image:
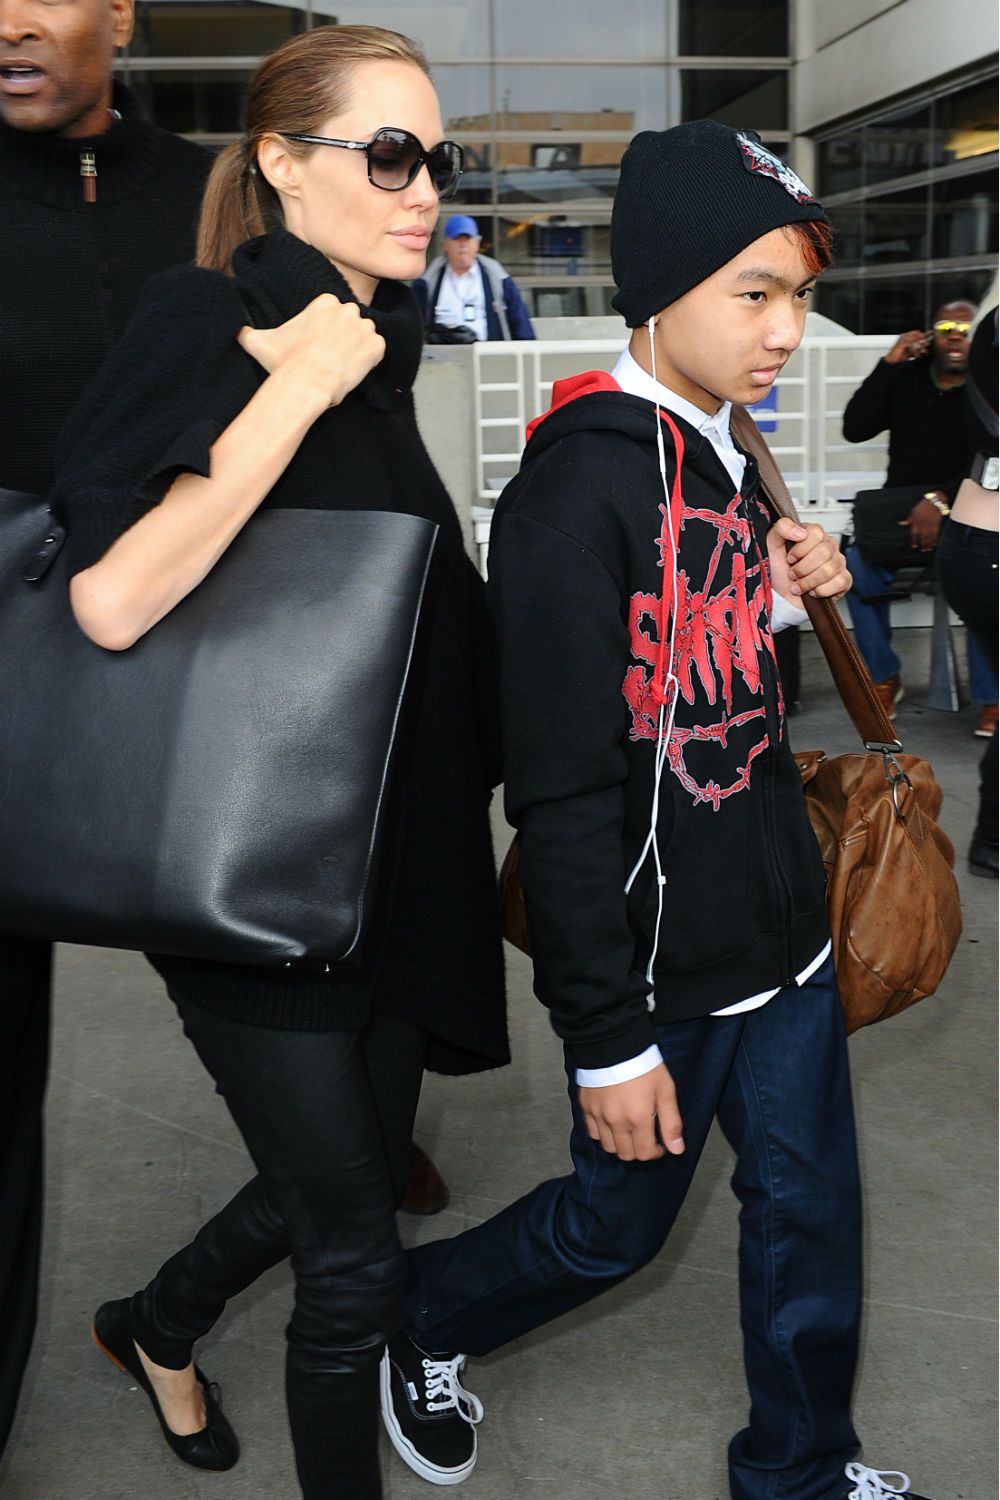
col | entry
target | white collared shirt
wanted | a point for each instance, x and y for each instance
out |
(715, 427)
(461, 300)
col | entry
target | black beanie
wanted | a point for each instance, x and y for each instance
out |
(690, 199)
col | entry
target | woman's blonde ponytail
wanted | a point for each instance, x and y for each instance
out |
(230, 213)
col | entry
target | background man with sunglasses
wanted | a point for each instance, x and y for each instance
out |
(463, 289)
(916, 393)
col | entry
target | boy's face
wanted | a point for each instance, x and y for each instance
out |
(727, 338)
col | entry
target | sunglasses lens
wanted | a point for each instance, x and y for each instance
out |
(395, 157)
(445, 166)
(392, 158)
(946, 326)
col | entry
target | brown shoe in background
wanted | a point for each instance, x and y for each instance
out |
(889, 693)
(987, 725)
(426, 1190)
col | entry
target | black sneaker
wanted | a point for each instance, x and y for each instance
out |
(879, 1484)
(430, 1419)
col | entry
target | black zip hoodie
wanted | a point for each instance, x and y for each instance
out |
(582, 586)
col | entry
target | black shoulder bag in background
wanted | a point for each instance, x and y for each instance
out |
(880, 538)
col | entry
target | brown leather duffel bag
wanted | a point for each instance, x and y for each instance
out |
(891, 893)
(892, 896)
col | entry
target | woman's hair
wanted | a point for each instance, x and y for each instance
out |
(815, 239)
(296, 89)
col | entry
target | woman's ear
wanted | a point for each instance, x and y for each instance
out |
(279, 167)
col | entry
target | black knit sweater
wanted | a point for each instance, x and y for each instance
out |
(928, 443)
(73, 270)
(176, 380)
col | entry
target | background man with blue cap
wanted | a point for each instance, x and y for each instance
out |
(463, 289)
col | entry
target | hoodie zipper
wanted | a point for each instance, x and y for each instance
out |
(88, 176)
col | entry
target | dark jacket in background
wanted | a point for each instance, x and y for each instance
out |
(173, 384)
(70, 274)
(928, 444)
(73, 270)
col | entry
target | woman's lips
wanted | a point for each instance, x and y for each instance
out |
(413, 238)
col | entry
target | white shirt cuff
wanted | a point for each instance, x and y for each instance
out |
(784, 613)
(623, 1072)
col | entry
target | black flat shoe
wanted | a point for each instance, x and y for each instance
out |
(216, 1446)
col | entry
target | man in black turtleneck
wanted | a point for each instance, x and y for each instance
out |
(93, 201)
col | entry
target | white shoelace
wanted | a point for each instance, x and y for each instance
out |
(441, 1379)
(873, 1484)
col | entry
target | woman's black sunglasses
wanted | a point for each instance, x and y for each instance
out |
(395, 157)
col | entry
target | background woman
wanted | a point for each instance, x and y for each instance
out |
(967, 558)
(196, 422)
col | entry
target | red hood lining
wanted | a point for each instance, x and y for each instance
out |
(563, 391)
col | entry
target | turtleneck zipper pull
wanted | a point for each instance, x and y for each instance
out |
(88, 171)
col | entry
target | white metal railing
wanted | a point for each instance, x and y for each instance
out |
(513, 383)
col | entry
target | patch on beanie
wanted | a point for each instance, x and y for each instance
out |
(757, 158)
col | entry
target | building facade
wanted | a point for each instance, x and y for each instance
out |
(545, 97)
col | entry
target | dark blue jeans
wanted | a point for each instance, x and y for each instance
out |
(777, 1079)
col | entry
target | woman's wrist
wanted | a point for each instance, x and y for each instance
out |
(299, 392)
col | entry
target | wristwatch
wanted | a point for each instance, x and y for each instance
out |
(937, 502)
(986, 471)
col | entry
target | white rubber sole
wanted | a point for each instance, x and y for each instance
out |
(413, 1460)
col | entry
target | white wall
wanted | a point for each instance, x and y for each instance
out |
(853, 54)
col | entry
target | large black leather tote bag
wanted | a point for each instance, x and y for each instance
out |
(216, 790)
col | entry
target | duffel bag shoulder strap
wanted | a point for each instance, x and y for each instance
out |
(849, 671)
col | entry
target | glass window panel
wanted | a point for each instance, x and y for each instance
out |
(954, 286)
(553, 245)
(843, 301)
(895, 304)
(553, 173)
(743, 98)
(212, 28)
(733, 28)
(966, 121)
(593, 28)
(199, 102)
(965, 215)
(464, 93)
(848, 229)
(444, 28)
(593, 99)
(899, 144)
(569, 301)
(897, 226)
(841, 163)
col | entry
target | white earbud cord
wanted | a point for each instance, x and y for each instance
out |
(665, 720)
